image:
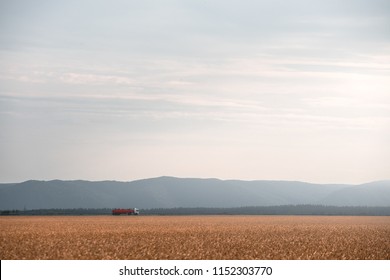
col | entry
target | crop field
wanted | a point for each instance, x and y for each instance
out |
(194, 237)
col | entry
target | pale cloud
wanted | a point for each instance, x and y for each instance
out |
(93, 80)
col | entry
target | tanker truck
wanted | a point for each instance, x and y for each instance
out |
(129, 211)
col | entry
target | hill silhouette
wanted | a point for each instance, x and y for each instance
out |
(171, 192)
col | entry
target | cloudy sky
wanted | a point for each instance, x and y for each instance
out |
(123, 90)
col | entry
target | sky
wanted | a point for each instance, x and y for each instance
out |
(251, 90)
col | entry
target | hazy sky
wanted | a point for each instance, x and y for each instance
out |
(122, 90)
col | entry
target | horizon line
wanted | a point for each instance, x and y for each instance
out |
(194, 178)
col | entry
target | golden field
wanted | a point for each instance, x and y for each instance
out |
(194, 237)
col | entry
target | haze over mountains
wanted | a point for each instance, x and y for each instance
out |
(169, 192)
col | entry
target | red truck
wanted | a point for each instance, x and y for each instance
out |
(121, 211)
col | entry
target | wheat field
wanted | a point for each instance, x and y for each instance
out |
(194, 237)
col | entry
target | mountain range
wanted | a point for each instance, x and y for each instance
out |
(170, 192)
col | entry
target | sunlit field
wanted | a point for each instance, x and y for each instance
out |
(194, 237)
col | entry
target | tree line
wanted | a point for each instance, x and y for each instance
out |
(248, 210)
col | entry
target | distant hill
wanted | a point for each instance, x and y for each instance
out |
(170, 192)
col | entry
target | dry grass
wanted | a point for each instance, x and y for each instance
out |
(195, 237)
